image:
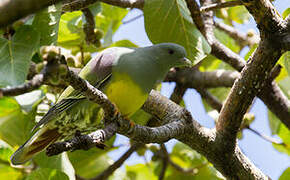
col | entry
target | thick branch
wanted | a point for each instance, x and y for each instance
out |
(265, 15)
(31, 85)
(197, 79)
(243, 92)
(126, 3)
(225, 54)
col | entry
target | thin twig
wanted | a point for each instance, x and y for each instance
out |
(220, 5)
(133, 19)
(265, 137)
(165, 159)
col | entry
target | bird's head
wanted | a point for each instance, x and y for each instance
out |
(170, 54)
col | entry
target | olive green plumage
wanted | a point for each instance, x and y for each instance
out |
(125, 75)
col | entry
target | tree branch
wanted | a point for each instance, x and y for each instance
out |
(84, 142)
(89, 26)
(193, 78)
(266, 138)
(265, 15)
(220, 5)
(244, 90)
(228, 56)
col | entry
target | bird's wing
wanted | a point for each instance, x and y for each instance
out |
(74, 96)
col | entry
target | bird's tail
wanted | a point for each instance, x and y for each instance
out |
(40, 140)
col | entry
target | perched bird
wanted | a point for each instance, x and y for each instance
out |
(125, 75)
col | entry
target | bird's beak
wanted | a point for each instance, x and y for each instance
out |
(186, 62)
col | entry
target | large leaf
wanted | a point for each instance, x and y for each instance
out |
(15, 126)
(285, 175)
(47, 174)
(238, 14)
(185, 157)
(170, 21)
(90, 163)
(70, 29)
(5, 152)
(109, 21)
(60, 162)
(141, 172)
(274, 122)
(284, 134)
(46, 23)
(15, 55)
(227, 40)
(7, 172)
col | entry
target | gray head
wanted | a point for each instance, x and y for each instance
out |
(170, 54)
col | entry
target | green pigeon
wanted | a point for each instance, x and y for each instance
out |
(125, 75)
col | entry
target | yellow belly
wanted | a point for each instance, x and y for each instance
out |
(128, 96)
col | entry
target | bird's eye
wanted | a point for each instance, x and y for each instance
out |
(170, 51)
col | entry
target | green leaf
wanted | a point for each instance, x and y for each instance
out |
(70, 31)
(226, 40)
(274, 122)
(140, 117)
(5, 151)
(90, 163)
(15, 126)
(90, 167)
(60, 162)
(286, 173)
(250, 52)
(141, 172)
(46, 23)
(186, 157)
(170, 21)
(286, 13)
(110, 17)
(124, 43)
(238, 14)
(286, 61)
(47, 174)
(15, 55)
(7, 172)
(210, 63)
(285, 86)
(284, 134)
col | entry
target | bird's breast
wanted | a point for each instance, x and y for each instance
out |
(125, 93)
